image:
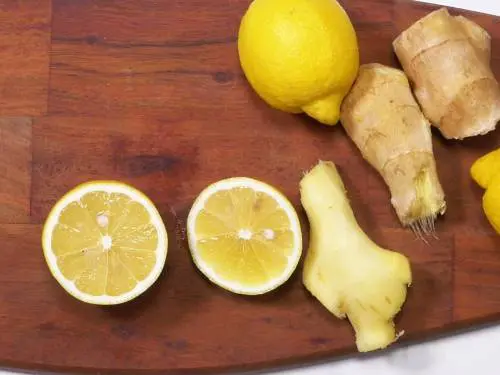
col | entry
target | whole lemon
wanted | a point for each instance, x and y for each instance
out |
(486, 168)
(491, 203)
(486, 172)
(299, 55)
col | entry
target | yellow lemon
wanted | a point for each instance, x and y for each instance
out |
(491, 203)
(105, 242)
(299, 55)
(244, 235)
(486, 168)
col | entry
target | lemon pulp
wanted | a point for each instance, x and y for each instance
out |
(105, 246)
(245, 239)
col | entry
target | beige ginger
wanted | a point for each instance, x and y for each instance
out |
(347, 272)
(383, 119)
(447, 59)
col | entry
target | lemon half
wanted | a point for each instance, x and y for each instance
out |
(105, 242)
(244, 235)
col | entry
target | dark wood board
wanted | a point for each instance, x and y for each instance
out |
(151, 93)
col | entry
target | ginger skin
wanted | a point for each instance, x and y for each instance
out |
(382, 118)
(447, 59)
(344, 269)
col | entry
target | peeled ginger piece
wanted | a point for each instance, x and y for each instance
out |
(447, 59)
(344, 269)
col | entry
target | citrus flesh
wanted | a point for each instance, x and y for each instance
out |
(105, 242)
(244, 235)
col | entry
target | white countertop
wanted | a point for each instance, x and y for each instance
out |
(472, 353)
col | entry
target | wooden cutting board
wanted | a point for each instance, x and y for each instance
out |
(151, 93)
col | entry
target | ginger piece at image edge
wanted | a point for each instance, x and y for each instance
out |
(382, 118)
(447, 59)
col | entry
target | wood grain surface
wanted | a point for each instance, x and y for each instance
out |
(24, 66)
(15, 169)
(151, 93)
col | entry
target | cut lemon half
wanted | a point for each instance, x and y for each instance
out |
(105, 242)
(244, 235)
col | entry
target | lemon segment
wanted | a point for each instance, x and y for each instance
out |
(244, 235)
(105, 242)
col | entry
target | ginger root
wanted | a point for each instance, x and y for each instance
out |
(447, 59)
(344, 269)
(383, 119)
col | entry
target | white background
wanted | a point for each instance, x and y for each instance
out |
(472, 353)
